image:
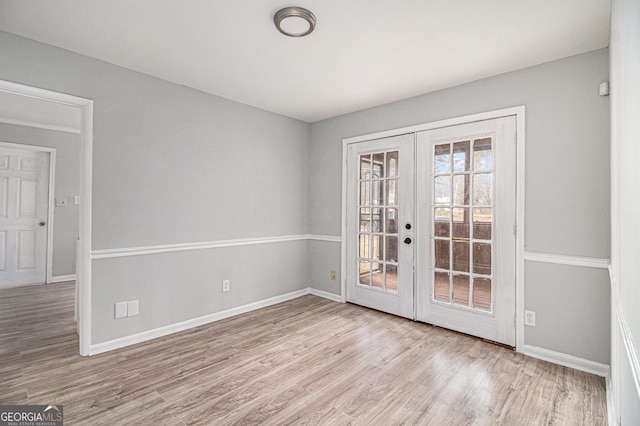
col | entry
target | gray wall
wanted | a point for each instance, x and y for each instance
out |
(65, 221)
(175, 165)
(625, 156)
(567, 183)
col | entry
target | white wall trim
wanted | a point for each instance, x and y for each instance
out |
(567, 360)
(519, 113)
(520, 222)
(325, 294)
(84, 254)
(62, 278)
(611, 406)
(506, 112)
(631, 348)
(169, 248)
(191, 323)
(560, 259)
(330, 238)
(39, 125)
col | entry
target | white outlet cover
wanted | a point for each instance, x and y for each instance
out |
(133, 308)
(530, 318)
(121, 309)
(226, 285)
(76, 199)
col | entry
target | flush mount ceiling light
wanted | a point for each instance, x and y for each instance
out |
(294, 21)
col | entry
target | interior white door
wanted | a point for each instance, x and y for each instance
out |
(380, 178)
(466, 217)
(24, 205)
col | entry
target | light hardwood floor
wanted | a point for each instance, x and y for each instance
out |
(306, 361)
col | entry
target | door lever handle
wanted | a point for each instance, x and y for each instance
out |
(407, 240)
(42, 224)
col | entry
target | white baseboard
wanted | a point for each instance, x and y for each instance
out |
(62, 278)
(194, 322)
(567, 360)
(325, 294)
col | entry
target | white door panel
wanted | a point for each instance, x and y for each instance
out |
(466, 219)
(24, 204)
(379, 247)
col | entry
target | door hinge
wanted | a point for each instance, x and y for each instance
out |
(515, 229)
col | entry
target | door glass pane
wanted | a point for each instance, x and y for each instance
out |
(442, 190)
(365, 272)
(442, 217)
(392, 164)
(461, 156)
(365, 166)
(482, 224)
(442, 158)
(363, 250)
(377, 275)
(461, 190)
(461, 223)
(461, 290)
(377, 192)
(365, 219)
(376, 220)
(391, 249)
(391, 221)
(391, 277)
(482, 155)
(482, 294)
(460, 256)
(441, 287)
(392, 192)
(482, 258)
(378, 165)
(482, 190)
(376, 247)
(442, 254)
(365, 193)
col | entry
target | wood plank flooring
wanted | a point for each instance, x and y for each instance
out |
(307, 361)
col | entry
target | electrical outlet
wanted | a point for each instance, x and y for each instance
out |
(121, 309)
(333, 275)
(76, 199)
(226, 285)
(530, 318)
(133, 308)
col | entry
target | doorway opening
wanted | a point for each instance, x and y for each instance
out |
(83, 250)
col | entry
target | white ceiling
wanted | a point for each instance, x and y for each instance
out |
(363, 52)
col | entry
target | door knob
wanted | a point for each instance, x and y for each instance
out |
(408, 226)
(42, 224)
(407, 240)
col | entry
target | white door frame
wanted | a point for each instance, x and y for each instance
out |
(84, 253)
(50, 203)
(519, 113)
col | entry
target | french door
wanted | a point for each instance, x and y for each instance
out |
(432, 237)
(379, 222)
